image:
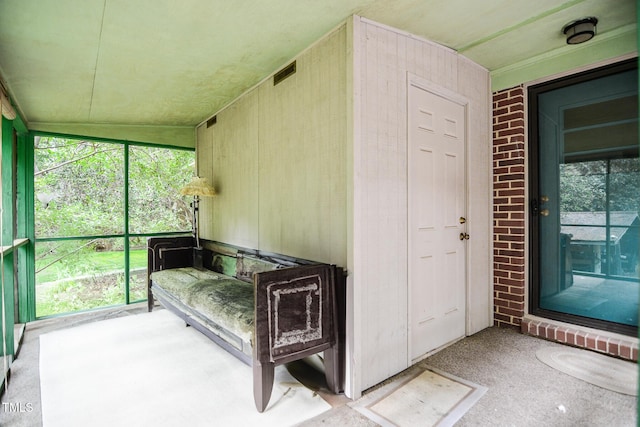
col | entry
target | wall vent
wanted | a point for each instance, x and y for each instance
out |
(287, 71)
(212, 121)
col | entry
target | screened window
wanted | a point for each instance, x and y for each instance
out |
(95, 205)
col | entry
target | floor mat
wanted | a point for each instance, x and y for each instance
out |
(151, 370)
(597, 369)
(427, 398)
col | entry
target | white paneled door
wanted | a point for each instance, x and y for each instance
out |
(437, 218)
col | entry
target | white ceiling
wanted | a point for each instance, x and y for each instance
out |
(168, 63)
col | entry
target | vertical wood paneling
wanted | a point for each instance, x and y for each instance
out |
(277, 159)
(302, 156)
(474, 83)
(235, 171)
(380, 184)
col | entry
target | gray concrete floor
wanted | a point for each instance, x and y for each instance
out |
(522, 391)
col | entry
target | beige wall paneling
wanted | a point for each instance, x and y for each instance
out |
(475, 84)
(380, 280)
(380, 239)
(354, 209)
(302, 174)
(235, 162)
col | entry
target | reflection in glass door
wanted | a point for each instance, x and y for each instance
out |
(585, 202)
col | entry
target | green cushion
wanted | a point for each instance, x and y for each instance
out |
(224, 300)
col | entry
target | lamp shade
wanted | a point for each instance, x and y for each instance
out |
(581, 30)
(198, 187)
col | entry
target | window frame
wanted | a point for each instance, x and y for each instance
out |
(534, 191)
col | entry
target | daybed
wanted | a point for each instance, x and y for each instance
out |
(265, 309)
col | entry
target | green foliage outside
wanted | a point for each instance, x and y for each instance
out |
(583, 186)
(79, 191)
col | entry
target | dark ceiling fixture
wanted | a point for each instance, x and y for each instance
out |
(581, 30)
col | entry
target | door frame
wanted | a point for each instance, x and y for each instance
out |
(421, 83)
(533, 258)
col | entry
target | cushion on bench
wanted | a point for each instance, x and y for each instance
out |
(224, 300)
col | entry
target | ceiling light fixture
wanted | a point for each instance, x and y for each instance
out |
(581, 30)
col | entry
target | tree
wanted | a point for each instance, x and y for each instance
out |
(80, 188)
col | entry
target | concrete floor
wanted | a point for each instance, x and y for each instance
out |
(522, 391)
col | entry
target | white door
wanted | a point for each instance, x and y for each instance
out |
(436, 223)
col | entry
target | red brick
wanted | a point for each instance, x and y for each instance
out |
(515, 92)
(510, 297)
(512, 131)
(570, 337)
(500, 95)
(516, 305)
(509, 282)
(580, 339)
(601, 344)
(500, 303)
(510, 146)
(501, 318)
(614, 347)
(510, 223)
(500, 111)
(561, 335)
(517, 116)
(511, 162)
(511, 312)
(625, 350)
(518, 122)
(591, 342)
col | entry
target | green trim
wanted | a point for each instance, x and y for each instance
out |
(9, 304)
(25, 229)
(6, 235)
(604, 47)
(111, 140)
(111, 236)
(126, 235)
(126, 225)
(519, 24)
(68, 135)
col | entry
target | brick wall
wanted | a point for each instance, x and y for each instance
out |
(509, 238)
(508, 206)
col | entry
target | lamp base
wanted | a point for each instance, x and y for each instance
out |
(197, 258)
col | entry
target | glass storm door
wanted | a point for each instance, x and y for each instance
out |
(585, 202)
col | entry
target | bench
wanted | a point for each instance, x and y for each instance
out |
(265, 309)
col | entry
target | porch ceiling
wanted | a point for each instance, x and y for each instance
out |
(167, 63)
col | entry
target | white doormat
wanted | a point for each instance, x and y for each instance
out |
(151, 370)
(597, 369)
(429, 397)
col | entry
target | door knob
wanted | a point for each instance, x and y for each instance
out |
(544, 199)
(544, 212)
(464, 236)
(462, 220)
